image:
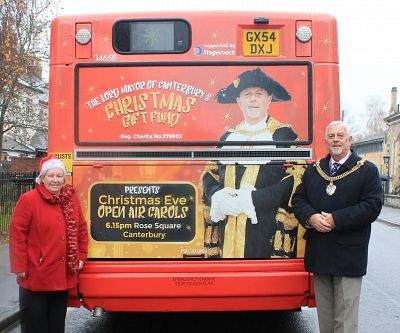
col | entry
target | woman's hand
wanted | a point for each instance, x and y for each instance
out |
(81, 264)
(21, 275)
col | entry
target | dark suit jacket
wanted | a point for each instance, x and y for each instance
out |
(355, 204)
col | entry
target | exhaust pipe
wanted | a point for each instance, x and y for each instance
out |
(97, 311)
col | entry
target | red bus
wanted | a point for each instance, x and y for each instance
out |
(185, 136)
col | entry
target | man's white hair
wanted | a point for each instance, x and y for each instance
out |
(337, 123)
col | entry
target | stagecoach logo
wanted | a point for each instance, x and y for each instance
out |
(198, 50)
(213, 50)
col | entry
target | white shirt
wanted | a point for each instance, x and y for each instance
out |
(260, 126)
(264, 135)
(341, 162)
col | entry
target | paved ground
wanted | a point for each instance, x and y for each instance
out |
(390, 215)
(9, 288)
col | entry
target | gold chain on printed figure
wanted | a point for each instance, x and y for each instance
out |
(330, 188)
(271, 126)
(251, 133)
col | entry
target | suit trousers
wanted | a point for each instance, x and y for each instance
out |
(42, 311)
(338, 299)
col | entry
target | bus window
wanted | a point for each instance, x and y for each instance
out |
(160, 36)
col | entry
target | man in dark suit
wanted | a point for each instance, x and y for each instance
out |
(242, 200)
(338, 199)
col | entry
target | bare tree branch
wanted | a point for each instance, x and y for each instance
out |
(24, 41)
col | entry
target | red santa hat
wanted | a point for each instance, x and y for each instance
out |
(47, 163)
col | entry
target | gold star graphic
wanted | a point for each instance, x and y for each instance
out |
(325, 108)
(62, 104)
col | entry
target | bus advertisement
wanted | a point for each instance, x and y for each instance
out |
(185, 142)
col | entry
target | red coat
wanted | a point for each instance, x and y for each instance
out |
(38, 241)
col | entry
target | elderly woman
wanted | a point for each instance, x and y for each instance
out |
(48, 246)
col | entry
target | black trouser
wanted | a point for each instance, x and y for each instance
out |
(42, 311)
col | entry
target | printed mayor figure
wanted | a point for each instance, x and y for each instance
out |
(246, 205)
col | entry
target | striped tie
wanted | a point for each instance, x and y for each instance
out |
(334, 168)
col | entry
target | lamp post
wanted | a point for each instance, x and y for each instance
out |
(386, 161)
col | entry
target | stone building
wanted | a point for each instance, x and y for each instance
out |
(392, 145)
(372, 148)
(383, 149)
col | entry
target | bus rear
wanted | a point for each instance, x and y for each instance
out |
(185, 136)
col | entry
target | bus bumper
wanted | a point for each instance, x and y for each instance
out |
(144, 286)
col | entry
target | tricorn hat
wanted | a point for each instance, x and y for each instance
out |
(253, 78)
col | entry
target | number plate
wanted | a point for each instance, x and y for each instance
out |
(261, 43)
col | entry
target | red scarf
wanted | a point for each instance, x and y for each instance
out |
(64, 200)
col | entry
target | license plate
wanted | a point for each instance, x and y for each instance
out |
(261, 43)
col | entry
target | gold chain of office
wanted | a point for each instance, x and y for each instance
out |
(252, 133)
(330, 188)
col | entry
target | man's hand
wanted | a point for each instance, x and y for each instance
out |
(329, 219)
(229, 202)
(319, 223)
(223, 203)
(246, 202)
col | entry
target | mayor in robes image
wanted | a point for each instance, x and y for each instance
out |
(246, 204)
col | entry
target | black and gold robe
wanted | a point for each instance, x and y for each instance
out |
(275, 234)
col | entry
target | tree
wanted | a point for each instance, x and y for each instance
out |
(24, 42)
(353, 121)
(368, 122)
(376, 111)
